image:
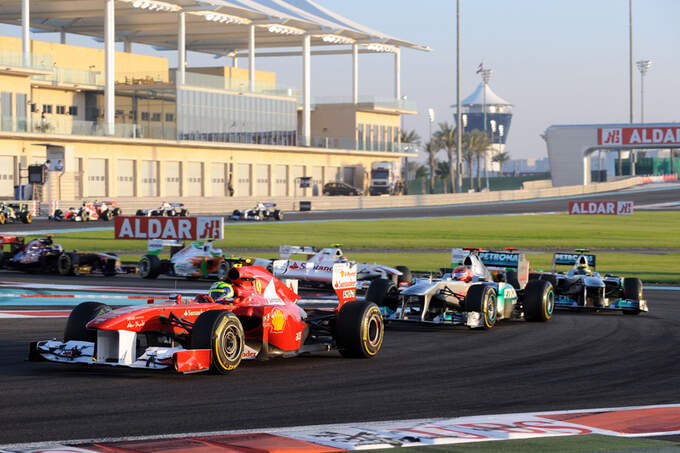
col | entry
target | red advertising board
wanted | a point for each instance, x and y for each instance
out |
(169, 228)
(607, 207)
(626, 136)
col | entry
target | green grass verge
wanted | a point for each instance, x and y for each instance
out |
(655, 234)
(568, 444)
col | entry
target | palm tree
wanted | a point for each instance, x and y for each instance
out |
(447, 136)
(501, 158)
(476, 144)
(431, 147)
(411, 137)
(442, 169)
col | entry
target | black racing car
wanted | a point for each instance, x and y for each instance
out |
(166, 209)
(262, 211)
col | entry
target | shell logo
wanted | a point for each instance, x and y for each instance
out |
(258, 286)
(278, 320)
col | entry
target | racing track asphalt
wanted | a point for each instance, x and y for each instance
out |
(575, 361)
(640, 195)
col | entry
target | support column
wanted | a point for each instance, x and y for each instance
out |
(62, 37)
(127, 46)
(397, 74)
(306, 92)
(26, 31)
(181, 48)
(110, 82)
(355, 73)
(251, 56)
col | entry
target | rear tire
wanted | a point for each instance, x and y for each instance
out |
(539, 300)
(359, 330)
(278, 215)
(482, 299)
(27, 217)
(3, 218)
(383, 293)
(223, 270)
(65, 264)
(405, 276)
(222, 333)
(78, 319)
(149, 266)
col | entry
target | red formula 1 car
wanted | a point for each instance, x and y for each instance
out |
(260, 319)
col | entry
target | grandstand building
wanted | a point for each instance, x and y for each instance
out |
(118, 124)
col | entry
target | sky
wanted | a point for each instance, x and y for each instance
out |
(556, 61)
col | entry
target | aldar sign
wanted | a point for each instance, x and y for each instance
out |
(628, 136)
(169, 228)
(601, 207)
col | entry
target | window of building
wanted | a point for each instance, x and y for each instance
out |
(145, 116)
(156, 117)
(169, 117)
(73, 110)
(47, 108)
(61, 110)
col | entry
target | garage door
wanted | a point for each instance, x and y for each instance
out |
(280, 183)
(261, 180)
(7, 176)
(194, 179)
(173, 179)
(218, 180)
(126, 178)
(317, 180)
(296, 172)
(149, 178)
(243, 180)
(96, 177)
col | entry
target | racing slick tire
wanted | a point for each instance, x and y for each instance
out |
(632, 290)
(139, 212)
(3, 218)
(384, 293)
(109, 267)
(482, 299)
(184, 212)
(223, 270)
(85, 216)
(27, 217)
(539, 300)
(106, 216)
(260, 215)
(66, 264)
(116, 212)
(359, 330)
(78, 319)
(236, 213)
(405, 276)
(278, 215)
(222, 333)
(149, 266)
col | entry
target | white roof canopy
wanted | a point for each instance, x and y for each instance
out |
(218, 27)
(477, 97)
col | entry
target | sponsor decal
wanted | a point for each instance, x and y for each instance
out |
(344, 276)
(499, 259)
(169, 228)
(192, 312)
(604, 207)
(570, 258)
(349, 294)
(638, 136)
(278, 320)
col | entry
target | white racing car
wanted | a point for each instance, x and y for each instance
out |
(317, 267)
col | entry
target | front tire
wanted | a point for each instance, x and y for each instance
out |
(222, 333)
(149, 266)
(278, 215)
(482, 299)
(27, 217)
(539, 300)
(77, 321)
(383, 293)
(632, 290)
(359, 330)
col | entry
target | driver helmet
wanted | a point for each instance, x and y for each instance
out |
(462, 273)
(222, 292)
(582, 269)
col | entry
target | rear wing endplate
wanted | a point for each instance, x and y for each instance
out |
(569, 259)
(344, 282)
(285, 251)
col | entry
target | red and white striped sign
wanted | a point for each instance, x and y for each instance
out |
(169, 228)
(601, 207)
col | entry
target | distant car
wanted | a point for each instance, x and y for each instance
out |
(14, 213)
(107, 210)
(262, 211)
(340, 188)
(166, 209)
(86, 212)
(581, 288)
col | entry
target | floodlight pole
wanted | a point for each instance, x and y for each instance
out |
(459, 121)
(486, 76)
(630, 72)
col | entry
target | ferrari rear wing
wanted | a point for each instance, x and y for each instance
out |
(345, 282)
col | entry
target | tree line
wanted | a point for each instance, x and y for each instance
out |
(475, 147)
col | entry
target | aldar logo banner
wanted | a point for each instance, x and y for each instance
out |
(169, 228)
(638, 136)
(601, 207)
